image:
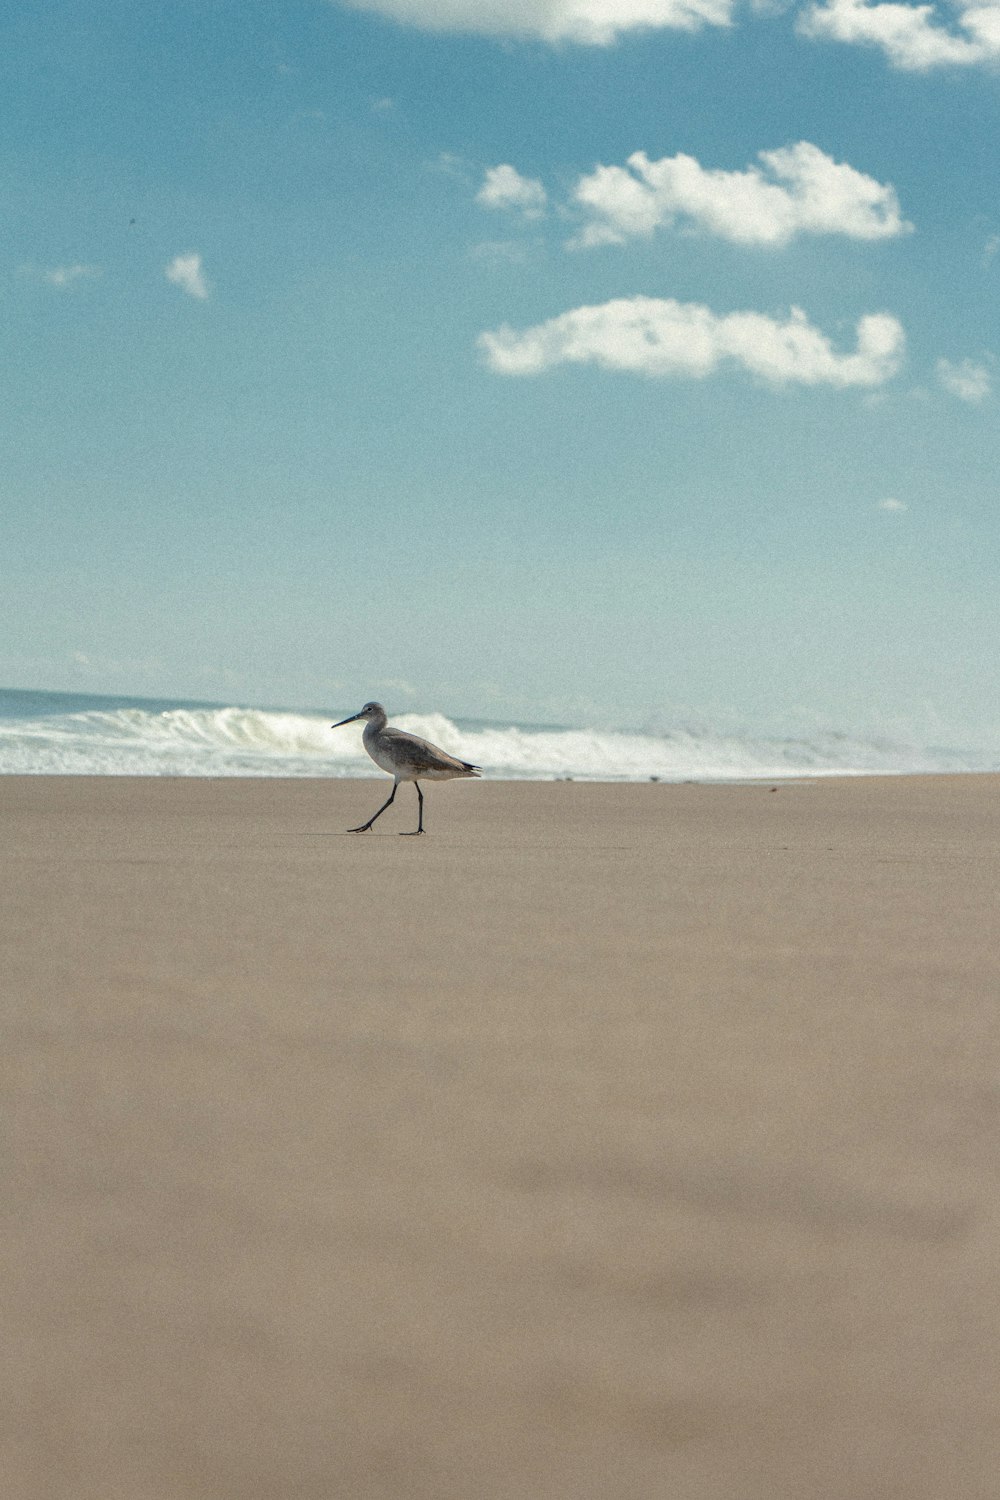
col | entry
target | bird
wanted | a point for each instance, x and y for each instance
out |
(406, 757)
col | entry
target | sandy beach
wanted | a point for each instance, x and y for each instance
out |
(610, 1142)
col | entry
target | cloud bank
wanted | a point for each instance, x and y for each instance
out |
(597, 23)
(660, 337)
(913, 37)
(185, 271)
(797, 190)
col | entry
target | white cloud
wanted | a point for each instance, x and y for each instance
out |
(592, 22)
(913, 37)
(966, 379)
(658, 337)
(504, 188)
(185, 271)
(798, 190)
(896, 506)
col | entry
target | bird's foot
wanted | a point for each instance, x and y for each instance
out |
(410, 833)
(363, 829)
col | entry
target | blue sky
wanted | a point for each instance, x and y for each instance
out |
(567, 360)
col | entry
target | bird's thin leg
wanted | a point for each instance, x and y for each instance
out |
(420, 821)
(364, 827)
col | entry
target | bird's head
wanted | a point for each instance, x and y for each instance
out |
(370, 711)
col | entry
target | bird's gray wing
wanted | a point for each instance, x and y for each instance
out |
(418, 753)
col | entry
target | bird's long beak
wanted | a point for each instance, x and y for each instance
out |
(346, 721)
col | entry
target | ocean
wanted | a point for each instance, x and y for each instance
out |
(83, 735)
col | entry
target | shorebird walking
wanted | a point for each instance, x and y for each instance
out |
(405, 757)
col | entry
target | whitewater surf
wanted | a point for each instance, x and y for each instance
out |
(76, 734)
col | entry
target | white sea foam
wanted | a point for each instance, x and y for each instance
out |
(179, 742)
(130, 739)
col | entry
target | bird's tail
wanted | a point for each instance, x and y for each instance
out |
(471, 770)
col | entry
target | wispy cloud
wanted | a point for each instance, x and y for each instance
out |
(504, 188)
(965, 379)
(797, 190)
(449, 164)
(591, 22)
(500, 252)
(661, 337)
(892, 505)
(913, 37)
(96, 669)
(186, 272)
(66, 275)
(63, 276)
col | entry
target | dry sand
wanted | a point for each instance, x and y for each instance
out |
(607, 1143)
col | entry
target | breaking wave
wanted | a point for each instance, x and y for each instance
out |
(116, 739)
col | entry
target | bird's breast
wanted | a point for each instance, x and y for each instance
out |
(382, 755)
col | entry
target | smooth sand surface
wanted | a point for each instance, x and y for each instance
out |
(607, 1143)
